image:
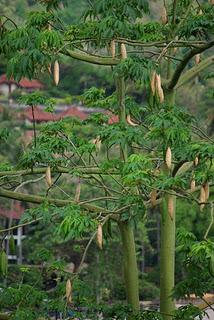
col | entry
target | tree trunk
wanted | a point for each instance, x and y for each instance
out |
(128, 243)
(167, 261)
(167, 250)
(130, 265)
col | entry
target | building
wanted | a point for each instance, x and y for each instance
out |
(40, 116)
(7, 86)
(8, 215)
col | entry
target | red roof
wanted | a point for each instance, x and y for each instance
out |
(15, 213)
(24, 82)
(39, 115)
(113, 119)
(3, 79)
(30, 84)
(73, 112)
(42, 116)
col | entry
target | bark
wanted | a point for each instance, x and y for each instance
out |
(39, 199)
(167, 262)
(187, 57)
(194, 71)
(130, 265)
(126, 231)
(107, 61)
(42, 170)
(167, 250)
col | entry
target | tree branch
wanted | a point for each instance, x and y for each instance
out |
(189, 74)
(82, 170)
(91, 58)
(39, 199)
(181, 66)
(80, 267)
(108, 61)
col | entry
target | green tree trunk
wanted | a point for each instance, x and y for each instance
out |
(167, 261)
(128, 242)
(130, 265)
(167, 250)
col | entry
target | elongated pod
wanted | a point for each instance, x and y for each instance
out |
(56, 72)
(123, 51)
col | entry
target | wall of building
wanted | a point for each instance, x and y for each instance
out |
(4, 88)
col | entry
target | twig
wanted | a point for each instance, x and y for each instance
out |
(98, 199)
(211, 221)
(101, 187)
(8, 19)
(165, 50)
(211, 307)
(20, 225)
(79, 269)
(27, 182)
(203, 133)
(55, 185)
(63, 191)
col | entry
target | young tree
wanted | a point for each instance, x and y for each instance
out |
(156, 156)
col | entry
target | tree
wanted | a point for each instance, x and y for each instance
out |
(154, 162)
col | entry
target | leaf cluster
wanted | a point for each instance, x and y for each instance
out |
(198, 256)
(135, 68)
(199, 25)
(75, 223)
(170, 126)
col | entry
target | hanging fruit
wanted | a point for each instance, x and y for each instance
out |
(123, 51)
(113, 48)
(196, 161)
(168, 159)
(192, 185)
(158, 88)
(197, 58)
(100, 236)
(3, 262)
(164, 18)
(68, 291)
(129, 121)
(56, 72)
(48, 176)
